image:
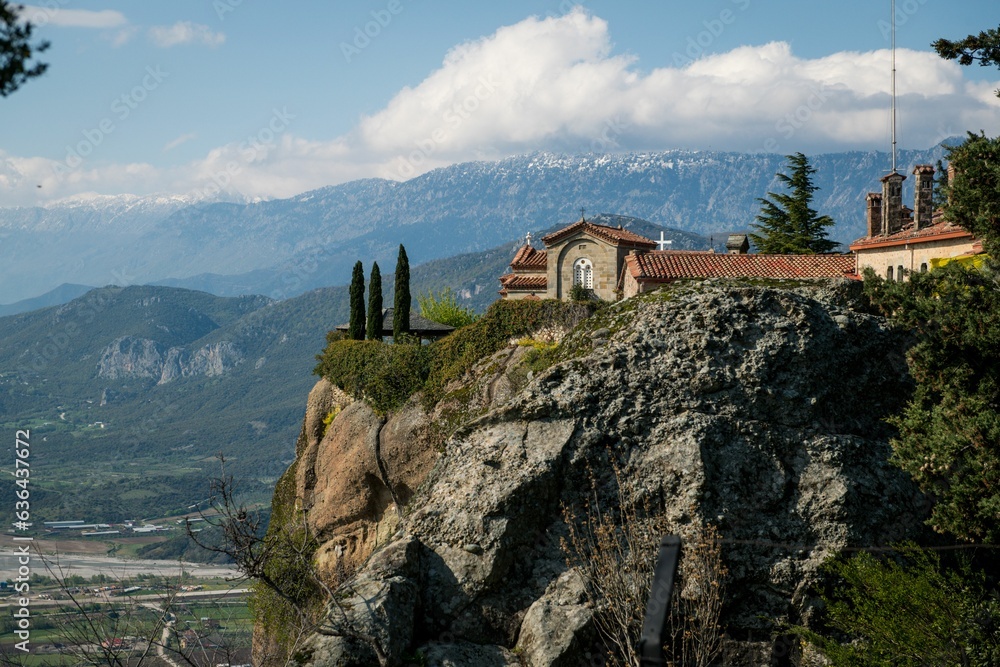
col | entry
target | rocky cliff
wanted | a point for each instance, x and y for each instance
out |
(131, 357)
(754, 408)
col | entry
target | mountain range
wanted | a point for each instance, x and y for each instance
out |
(285, 247)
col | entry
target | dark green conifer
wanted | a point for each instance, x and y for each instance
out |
(375, 304)
(788, 225)
(401, 298)
(356, 328)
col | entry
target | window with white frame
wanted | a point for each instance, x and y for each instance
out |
(583, 273)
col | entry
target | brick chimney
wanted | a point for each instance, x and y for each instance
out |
(892, 202)
(874, 217)
(923, 197)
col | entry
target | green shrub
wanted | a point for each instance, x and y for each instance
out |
(905, 610)
(445, 309)
(579, 293)
(384, 375)
(454, 355)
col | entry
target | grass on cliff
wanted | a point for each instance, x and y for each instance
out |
(386, 375)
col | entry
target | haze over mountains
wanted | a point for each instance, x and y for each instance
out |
(282, 248)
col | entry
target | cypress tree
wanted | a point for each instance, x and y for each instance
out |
(375, 304)
(356, 328)
(401, 297)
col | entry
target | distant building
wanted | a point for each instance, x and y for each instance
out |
(900, 240)
(615, 263)
(148, 529)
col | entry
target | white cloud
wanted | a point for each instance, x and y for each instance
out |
(555, 84)
(185, 32)
(73, 18)
(174, 143)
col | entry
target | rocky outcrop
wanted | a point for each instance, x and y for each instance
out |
(756, 409)
(211, 360)
(130, 357)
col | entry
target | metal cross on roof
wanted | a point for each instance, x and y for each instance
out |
(662, 243)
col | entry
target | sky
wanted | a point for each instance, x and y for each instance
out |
(262, 99)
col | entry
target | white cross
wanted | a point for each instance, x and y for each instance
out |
(662, 243)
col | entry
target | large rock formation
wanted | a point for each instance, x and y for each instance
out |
(756, 409)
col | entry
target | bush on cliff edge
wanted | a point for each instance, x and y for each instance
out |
(386, 375)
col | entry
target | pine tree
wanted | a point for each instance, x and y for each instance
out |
(788, 224)
(356, 328)
(16, 49)
(983, 48)
(401, 298)
(375, 304)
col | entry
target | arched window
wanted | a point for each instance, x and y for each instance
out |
(583, 273)
(899, 273)
(888, 274)
(923, 267)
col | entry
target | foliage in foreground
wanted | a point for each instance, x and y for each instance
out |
(949, 433)
(906, 610)
(16, 49)
(983, 48)
(974, 193)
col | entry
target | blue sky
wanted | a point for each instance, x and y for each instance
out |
(268, 99)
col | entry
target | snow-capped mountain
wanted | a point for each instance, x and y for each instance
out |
(284, 247)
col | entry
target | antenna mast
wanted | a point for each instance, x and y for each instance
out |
(893, 58)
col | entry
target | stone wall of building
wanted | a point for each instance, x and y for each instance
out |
(603, 256)
(631, 286)
(910, 256)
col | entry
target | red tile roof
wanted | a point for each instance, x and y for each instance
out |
(660, 266)
(516, 281)
(528, 259)
(939, 231)
(612, 235)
